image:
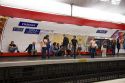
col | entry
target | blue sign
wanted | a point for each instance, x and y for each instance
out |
(32, 31)
(102, 31)
(18, 29)
(28, 24)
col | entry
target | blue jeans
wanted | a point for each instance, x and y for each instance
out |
(12, 49)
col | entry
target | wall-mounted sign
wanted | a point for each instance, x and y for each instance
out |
(18, 29)
(32, 31)
(102, 31)
(28, 24)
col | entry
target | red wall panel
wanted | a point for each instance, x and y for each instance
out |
(13, 12)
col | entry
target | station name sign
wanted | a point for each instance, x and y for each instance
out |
(18, 29)
(32, 31)
(102, 31)
(28, 24)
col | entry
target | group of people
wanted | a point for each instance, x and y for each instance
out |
(58, 50)
(113, 45)
(105, 45)
(67, 47)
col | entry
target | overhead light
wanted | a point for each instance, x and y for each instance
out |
(48, 6)
(95, 14)
(105, 0)
(115, 2)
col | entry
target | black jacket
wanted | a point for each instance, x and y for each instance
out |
(29, 48)
(65, 41)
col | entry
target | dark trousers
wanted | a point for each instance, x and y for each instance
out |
(44, 52)
(92, 52)
(74, 51)
(118, 51)
(113, 51)
(48, 52)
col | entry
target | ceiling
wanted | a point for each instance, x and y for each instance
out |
(99, 4)
(99, 10)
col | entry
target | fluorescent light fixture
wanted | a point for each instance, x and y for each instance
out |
(49, 6)
(115, 2)
(105, 0)
(95, 14)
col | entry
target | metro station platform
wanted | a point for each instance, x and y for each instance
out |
(26, 61)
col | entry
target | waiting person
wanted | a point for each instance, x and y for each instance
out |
(93, 47)
(104, 48)
(74, 45)
(54, 48)
(31, 49)
(69, 49)
(118, 46)
(113, 46)
(65, 44)
(48, 46)
(61, 51)
(12, 47)
(44, 43)
(58, 46)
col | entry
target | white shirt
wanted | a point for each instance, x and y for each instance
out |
(93, 43)
(44, 43)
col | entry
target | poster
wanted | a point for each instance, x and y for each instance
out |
(2, 24)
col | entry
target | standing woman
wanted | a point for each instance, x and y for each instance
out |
(44, 47)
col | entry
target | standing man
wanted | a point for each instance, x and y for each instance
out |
(113, 47)
(74, 45)
(65, 44)
(118, 46)
(48, 46)
(93, 47)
